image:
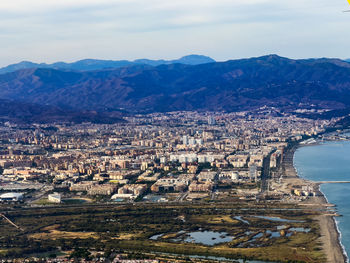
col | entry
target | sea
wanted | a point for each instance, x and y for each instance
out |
(329, 161)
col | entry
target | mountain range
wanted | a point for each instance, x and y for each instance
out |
(96, 64)
(234, 85)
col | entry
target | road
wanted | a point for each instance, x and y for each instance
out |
(213, 195)
(8, 220)
(40, 193)
(181, 197)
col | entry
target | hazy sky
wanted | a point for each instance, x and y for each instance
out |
(68, 30)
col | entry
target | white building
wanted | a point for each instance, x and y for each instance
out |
(11, 197)
(54, 198)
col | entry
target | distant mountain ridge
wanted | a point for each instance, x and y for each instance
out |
(235, 85)
(95, 64)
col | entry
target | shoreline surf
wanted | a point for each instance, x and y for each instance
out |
(330, 232)
(346, 257)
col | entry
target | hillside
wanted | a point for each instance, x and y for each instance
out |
(230, 86)
(20, 112)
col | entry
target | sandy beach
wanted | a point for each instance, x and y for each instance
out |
(330, 237)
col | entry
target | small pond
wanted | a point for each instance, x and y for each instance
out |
(208, 238)
(278, 219)
(300, 229)
(155, 237)
(239, 218)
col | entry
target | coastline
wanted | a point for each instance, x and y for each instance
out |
(329, 230)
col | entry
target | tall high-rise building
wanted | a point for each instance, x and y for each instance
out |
(185, 140)
(211, 120)
(253, 173)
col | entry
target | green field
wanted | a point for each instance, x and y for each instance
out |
(109, 228)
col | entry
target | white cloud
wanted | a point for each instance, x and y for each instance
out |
(55, 29)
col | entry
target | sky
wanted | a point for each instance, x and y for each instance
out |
(69, 30)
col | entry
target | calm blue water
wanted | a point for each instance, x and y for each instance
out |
(329, 162)
(208, 238)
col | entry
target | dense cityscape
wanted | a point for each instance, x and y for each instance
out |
(159, 162)
(179, 156)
